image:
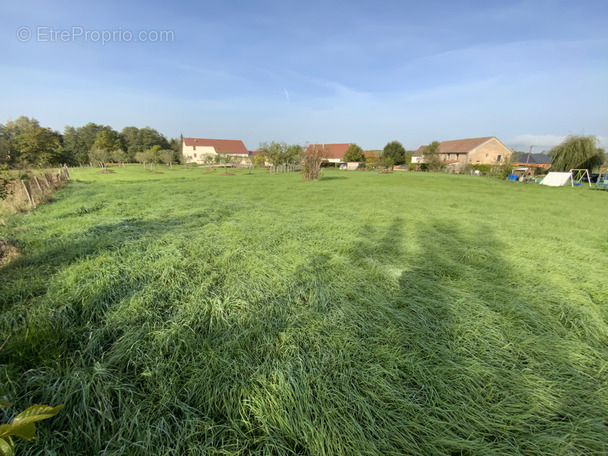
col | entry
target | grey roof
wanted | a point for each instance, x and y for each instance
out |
(535, 159)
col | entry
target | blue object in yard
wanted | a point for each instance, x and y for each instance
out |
(513, 177)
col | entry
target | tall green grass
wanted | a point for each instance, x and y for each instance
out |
(255, 314)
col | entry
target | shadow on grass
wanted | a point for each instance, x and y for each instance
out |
(491, 369)
(329, 178)
(457, 360)
(432, 349)
(50, 299)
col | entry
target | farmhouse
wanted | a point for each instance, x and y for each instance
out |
(195, 150)
(475, 151)
(333, 152)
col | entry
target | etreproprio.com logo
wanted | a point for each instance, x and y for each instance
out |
(46, 34)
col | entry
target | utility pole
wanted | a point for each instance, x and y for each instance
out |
(529, 153)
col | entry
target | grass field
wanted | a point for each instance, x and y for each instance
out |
(255, 314)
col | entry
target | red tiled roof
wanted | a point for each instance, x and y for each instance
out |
(221, 146)
(332, 150)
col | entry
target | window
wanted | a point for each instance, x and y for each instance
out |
(498, 158)
(193, 147)
(486, 155)
(194, 155)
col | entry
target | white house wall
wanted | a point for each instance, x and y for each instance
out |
(197, 156)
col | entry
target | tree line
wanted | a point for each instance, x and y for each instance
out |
(25, 143)
(281, 154)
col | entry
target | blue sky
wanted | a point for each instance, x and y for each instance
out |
(527, 72)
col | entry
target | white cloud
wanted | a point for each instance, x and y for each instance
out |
(543, 142)
(540, 142)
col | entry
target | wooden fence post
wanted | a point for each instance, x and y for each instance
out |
(28, 193)
(38, 185)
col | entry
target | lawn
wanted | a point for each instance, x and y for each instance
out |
(253, 314)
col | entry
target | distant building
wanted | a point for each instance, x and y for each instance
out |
(195, 150)
(461, 152)
(333, 152)
(531, 160)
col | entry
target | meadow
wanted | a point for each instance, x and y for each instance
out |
(187, 312)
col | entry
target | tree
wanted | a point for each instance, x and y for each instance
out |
(279, 153)
(223, 159)
(14, 128)
(29, 144)
(394, 152)
(209, 160)
(313, 158)
(167, 157)
(5, 147)
(77, 142)
(371, 159)
(119, 156)
(142, 139)
(577, 152)
(293, 154)
(259, 160)
(130, 139)
(354, 153)
(142, 157)
(250, 162)
(152, 156)
(175, 144)
(505, 167)
(432, 157)
(38, 147)
(99, 157)
(148, 137)
(387, 162)
(233, 160)
(273, 152)
(107, 140)
(408, 156)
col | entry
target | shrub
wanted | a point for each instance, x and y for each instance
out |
(313, 158)
(483, 168)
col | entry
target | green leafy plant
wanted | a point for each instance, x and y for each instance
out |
(23, 425)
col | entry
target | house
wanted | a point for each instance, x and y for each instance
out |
(474, 151)
(350, 166)
(195, 150)
(531, 160)
(333, 152)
